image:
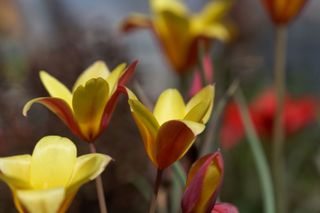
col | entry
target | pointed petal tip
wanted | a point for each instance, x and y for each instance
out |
(106, 159)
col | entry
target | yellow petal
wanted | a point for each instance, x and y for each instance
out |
(170, 106)
(210, 184)
(41, 201)
(97, 70)
(130, 94)
(88, 106)
(147, 125)
(55, 88)
(195, 127)
(173, 31)
(87, 168)
(114, 77)
(15, 170)
(174, 6)
(220, 31)
(200, 106)
(214, 11)
(52, 162)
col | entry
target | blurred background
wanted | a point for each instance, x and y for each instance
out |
(64, 37)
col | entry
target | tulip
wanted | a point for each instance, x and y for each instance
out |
(171, 129)
(180, 32)
(298, 113)
(87, 110)
(224, 208)
(47, 181)
(283, 11)
(204, 181)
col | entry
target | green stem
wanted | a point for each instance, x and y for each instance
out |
(278, 132)
(208, 144)
(258, 154)
(153, 204)
(179, 173)
(99, 186)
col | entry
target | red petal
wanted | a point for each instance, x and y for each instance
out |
(62, 110)
(128, 73)
(108, 111)
(224, 208)
(173, 141)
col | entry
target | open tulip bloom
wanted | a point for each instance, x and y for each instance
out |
(203, 185)
(171, 129)
(179, 32)
(87, 109)
(47, 181)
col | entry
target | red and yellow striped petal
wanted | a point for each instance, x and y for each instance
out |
(203, 183)
(127, 75)
(147, 125)
(55, 88)
(58, 107)
(135, 21)
(114, 77)
(174, 139)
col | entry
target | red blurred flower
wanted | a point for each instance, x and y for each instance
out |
(283, 11)
(224, 208)
(297, 114)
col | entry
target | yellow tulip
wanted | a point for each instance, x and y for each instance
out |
(47, 181)
(87, 109)
(171, 129)
(180, 32)
(283, 11)
(203, 184)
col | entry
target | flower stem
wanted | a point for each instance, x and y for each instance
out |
(258, 154)
(99, 186)
(209, 140)
(153, 204)
(278, 132)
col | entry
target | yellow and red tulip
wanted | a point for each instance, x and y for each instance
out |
(47, 181)
(180, 32)
(171, 129)
(203, 184)
(87, 109)
(283, 11)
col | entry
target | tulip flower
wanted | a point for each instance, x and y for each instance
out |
(204, 181)
(298, 113)
(180, 32)
(87, 109)
(47, 181)
(283, 11)
(171, 129)
(224, 208)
